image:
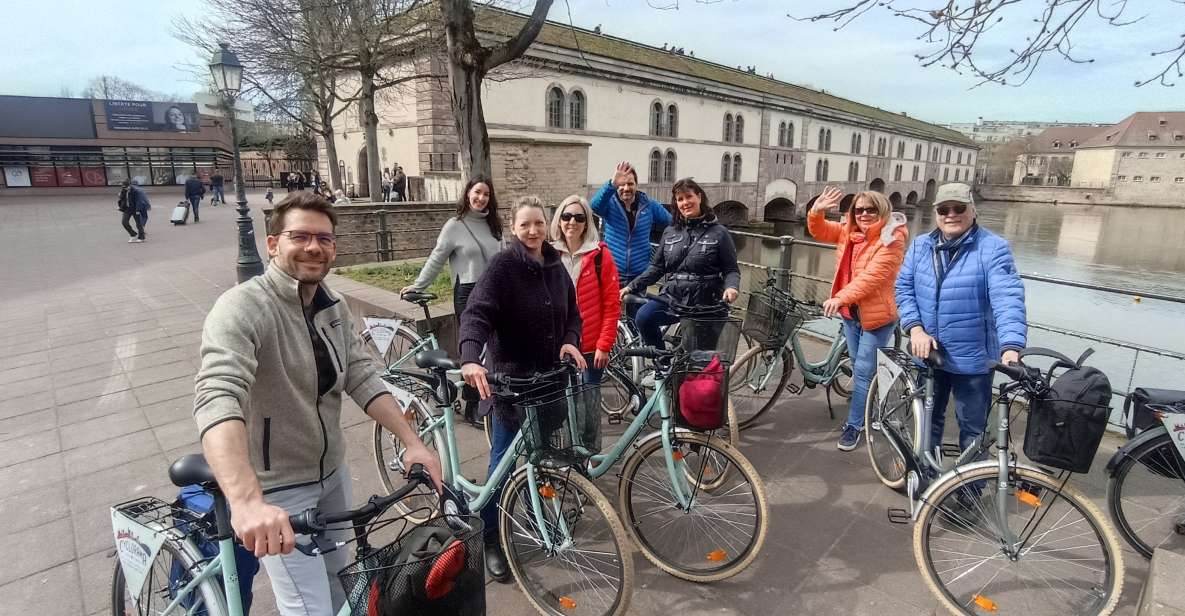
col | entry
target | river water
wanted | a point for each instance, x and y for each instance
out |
(1131, 248)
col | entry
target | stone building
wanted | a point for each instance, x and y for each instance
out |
(998, 131)
(1049, 159)
(581, 101)
(1140, 160)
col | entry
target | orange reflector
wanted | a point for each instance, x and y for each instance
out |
(716, 555)
(1028, 498)
(677, 455)
(567, 603)
(546, 491)
(985, 604)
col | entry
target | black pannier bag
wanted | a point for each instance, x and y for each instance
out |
(1068, 422)
(1137, 417)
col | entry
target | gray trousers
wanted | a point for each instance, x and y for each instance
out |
(308, 585)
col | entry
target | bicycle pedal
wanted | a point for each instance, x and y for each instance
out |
(898, 516)
(950, 450)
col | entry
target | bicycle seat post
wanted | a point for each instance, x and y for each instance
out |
(429, 326)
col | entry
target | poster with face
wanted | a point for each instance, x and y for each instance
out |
(151, 116)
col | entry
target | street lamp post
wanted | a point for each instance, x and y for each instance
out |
(228, 78)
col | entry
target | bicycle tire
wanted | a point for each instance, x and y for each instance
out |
(402, 341)
(750, 408)
(187, 558)
(1139, 523)
(487, 428)
(845, 376)
(586, 494)
(1016, 592)
(678, 528)
(421, 505)
(617, 392)
(887, 461)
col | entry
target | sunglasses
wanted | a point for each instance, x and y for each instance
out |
(945, 210)
(866, 211)
(566, 216)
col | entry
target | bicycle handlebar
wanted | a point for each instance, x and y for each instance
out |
(719, 308)
(647, 352)
(313, 522)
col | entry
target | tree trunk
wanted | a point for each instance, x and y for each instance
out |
(470, 119)
(335, 174)
(370, 121)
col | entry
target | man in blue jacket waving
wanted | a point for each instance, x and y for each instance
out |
(959, 290)
(629, 216)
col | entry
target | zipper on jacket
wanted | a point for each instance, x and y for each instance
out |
(267, 443)
(324, 443)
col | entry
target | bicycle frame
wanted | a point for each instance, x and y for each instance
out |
(821, 372)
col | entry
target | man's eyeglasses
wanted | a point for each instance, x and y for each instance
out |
(566, 216)
(866, 211)
(945, 210)
(302, 238)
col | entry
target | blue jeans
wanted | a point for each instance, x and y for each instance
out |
(503, 432)
(218, 196)
(973, 400)
(194, 201)
(650, 321)
(862, 346)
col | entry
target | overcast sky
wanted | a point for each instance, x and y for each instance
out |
(56, 44)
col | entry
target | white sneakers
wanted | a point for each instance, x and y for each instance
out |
(135, 240)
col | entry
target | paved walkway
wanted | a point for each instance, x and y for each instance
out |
(98, 347)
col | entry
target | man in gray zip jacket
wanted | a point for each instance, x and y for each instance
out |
(277, 353)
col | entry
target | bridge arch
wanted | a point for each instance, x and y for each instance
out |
(895, 200)
(931, 190)
(911, 198)
(780, 209)
(732, 213)
(877, 185)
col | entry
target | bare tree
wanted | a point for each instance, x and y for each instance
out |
(468, 64)
(108, 87)
(960, 34)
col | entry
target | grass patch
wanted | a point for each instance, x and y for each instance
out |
(395, 276)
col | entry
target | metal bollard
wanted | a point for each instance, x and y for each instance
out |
(383, 237)
(785, 251)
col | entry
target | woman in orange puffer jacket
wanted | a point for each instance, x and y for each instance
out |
(870, 247)
(591, 266)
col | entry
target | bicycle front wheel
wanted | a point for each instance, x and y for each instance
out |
(173, 568)
(723, 530)
(421, 504)
(399, 353)
(1146, 496)
(1068, 560)
(587, 571)
(757, 379)
(901, 411)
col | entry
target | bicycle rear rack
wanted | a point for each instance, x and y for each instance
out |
(156, 513)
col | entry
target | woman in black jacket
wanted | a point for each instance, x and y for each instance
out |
(524, 309)
(700, 257)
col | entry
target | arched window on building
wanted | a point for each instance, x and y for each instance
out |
(855, 171)
(669, 167)
(826, 169)
(672, 120)
(917, 152)
(827, 145)
(852, 147)
(859, 143)
(880, 146)
(555, 107)
(850, 174)
(948, 157)
(655, 166)
(915, 172)
(736, 167)
(897, 173)
(946, 174)
(790, 134)
(726, 168)
(576, 110)
(900, 149)
(656, 119)
(822, 138)
(739, 129)
(727, 128)
(782, 134)
(960, 158)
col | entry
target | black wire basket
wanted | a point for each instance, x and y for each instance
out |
(430, 569)
(774, 315)
(702, 338)
(546, 415)
(699, 395)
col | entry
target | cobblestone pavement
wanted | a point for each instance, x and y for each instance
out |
(98, 347)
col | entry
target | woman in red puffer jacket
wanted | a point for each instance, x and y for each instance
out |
(591, 266)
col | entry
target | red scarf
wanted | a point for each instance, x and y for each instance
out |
(855, 245)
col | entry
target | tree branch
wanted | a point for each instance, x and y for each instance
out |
(518, 44)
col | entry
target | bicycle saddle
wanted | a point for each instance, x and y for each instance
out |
(191, 469)
(936, 360)
(418, 297)
(436, 359)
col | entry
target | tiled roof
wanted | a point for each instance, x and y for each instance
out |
(1067, 138)
(506, 23)
(1143, 128)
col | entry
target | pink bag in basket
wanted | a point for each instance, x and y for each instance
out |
(700, 397)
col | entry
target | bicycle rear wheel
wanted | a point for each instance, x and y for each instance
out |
(757, 379)
(1146, 496)
(171, 570)
(421, 504)
(1069, 561)
(902, 412)
(725, 528)
(592, 572)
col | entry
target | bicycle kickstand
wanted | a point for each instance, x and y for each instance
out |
(830, 410)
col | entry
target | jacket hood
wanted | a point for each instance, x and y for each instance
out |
(896, 221)
(588, 246)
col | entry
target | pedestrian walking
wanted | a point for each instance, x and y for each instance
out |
(386, 185)
(278, 352)
(290, 181)
(870, 245)
(594, 274)
(268, 195)
(136, 206)
(959, 292)
(523, 312)
(194, 191)
(399, 184)
(216, 185)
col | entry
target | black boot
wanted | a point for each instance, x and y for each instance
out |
(471, 417)
(496, 565)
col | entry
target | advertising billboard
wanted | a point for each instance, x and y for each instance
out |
(152, 116)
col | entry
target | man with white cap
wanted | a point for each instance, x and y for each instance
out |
(959, 291)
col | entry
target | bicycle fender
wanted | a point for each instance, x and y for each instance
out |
(974, 466)
(657, 434)
(1128, 447)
